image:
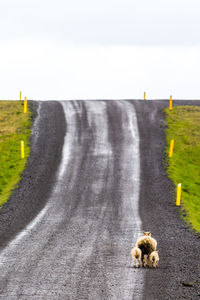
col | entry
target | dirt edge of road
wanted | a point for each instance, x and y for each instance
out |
(178, 274)
(36, 183)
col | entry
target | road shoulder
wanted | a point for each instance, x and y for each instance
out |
(178, 245)
(36, 182)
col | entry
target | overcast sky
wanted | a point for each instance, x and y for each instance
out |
(81, 49)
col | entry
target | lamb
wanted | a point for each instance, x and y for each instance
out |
(147, 245)
(136, 255)
(154, 258)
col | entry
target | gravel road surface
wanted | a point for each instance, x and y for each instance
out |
(78, 246)
(179, 247)
(39, 177)
(96, 178)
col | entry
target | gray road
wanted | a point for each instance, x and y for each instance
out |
(78, 245)
(179, 246)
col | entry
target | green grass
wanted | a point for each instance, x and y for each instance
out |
(184, 167)
(15, 126)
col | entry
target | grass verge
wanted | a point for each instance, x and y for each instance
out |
(184, 167)
(15, 126)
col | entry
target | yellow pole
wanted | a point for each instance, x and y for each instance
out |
(171, 148)
(178, 198)
(170, 103)
(20, 96)
(144, 95)
(25, 105)
(22, 149)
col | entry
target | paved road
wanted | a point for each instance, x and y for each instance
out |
(78, 245)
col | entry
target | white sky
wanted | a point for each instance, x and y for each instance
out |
(88, 49)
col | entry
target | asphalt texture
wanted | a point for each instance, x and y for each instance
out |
(96, 178)
(39, 176)
(178, 274)
(78, 246)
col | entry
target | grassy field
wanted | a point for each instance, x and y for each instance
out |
(14, 128)
(184, 166)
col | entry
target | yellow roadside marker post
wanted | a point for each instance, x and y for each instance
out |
(25, 105)
(170, 103)
(178, 198)
(171, 148)
(20, 96)
(22, 149)
(144, 95)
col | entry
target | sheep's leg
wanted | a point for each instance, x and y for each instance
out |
(138, 262)
(148, 262)
(143, 260)
(134, 262)
(155, 264)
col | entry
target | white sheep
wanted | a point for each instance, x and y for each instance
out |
(136, 254)
(147, 244)
(154, 258)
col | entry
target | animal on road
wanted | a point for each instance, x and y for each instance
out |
(136, 254)
(154, 258)
(147, 244)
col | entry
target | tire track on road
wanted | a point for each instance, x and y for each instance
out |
(80, 246)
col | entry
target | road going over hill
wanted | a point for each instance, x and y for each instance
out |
(77, 246)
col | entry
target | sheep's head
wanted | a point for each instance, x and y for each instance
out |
(147, 233)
